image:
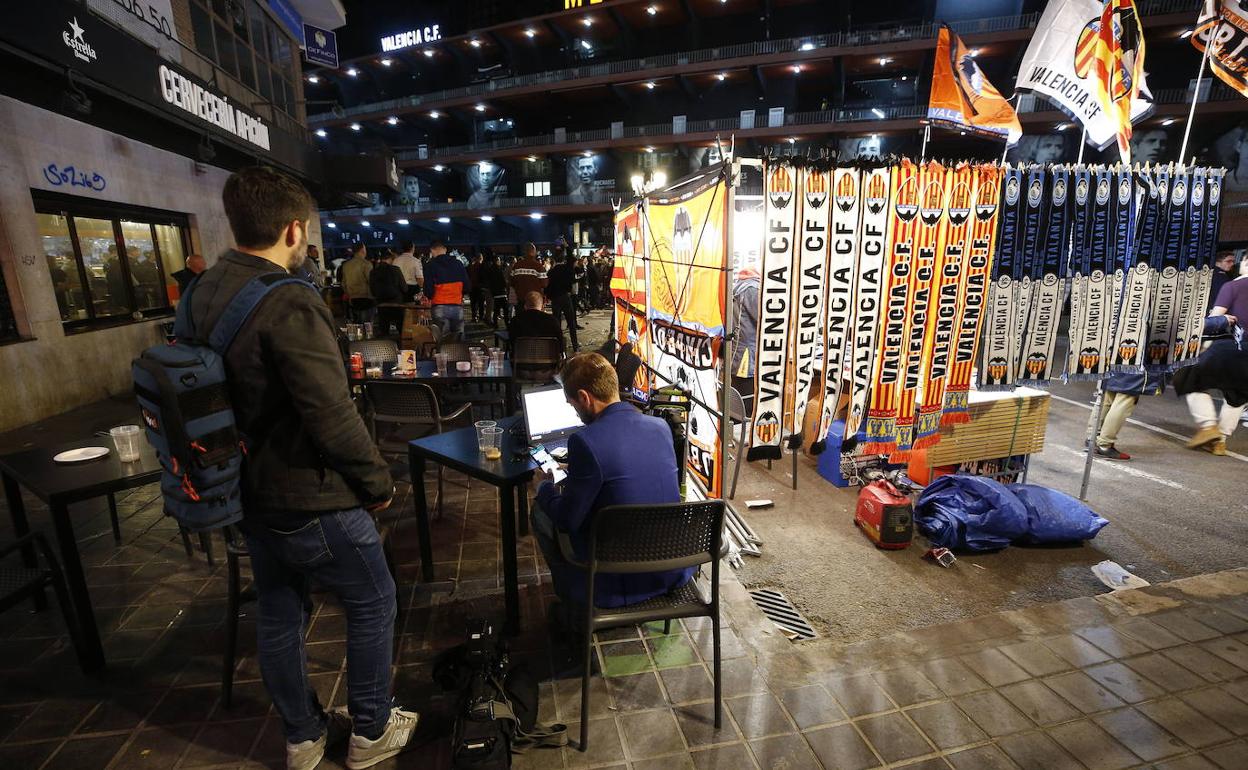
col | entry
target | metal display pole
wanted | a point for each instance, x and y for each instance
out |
(1094, 428)
(927, 134)
(1191, 112)
(730, 330)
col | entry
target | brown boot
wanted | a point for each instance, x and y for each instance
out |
(1206, 435)
(1218, 448)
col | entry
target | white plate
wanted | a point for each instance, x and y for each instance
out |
(81, 455)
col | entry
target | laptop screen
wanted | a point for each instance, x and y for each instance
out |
(548, 415)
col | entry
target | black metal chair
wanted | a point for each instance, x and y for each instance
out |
(651, 538)
(536, 360)
(741, 444)
(384, 351)
(409, 406)
(460, 351)
(18, 583)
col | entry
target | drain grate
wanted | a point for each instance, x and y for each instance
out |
(783, 614)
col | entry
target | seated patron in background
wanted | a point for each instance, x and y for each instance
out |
(620, 457)
(387, 285)
(533, 321)
(195, 265)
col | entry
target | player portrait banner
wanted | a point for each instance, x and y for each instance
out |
(869, 277)
(843, 247)
(1061, 64)
(628, 274)
(808, 310)
(976, 276)
(895, 310)
(933, 200)
(779, 252)
(686, 246)
(1000, 350)
(1048, 250)
(1223, 26)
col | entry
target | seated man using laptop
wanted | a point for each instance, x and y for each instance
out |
(620, 457)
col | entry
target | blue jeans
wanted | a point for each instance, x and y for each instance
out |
(341, 551)
(451, 319)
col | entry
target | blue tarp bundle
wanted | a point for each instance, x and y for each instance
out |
(975, 513)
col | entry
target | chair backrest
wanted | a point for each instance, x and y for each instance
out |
(405, 402)
(537, 351)
(458, 351)
(655, 538)
(736, 405)
(383, 351)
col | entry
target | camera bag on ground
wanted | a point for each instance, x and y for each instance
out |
(185, 402)
(497, 712)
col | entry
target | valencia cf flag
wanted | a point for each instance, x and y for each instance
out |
(963, 99)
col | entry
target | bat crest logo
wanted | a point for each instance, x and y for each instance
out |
(767, 428)
(907, 200)
(816, 189)
(1036, 363)
(1127, 350)
(1157, 351)
(933, 204)
(846, 192)
(877, 193)
(1088, 359)
(997, 369)
(960, 204)
(986, 200)
(780, 187)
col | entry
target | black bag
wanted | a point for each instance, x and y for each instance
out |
(497, 714)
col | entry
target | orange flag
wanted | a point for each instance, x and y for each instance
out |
(963, 99)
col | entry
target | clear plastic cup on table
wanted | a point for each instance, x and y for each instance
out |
(496, 360)
(491, 443)
(126, 438)
(481, 425)
(440, 361)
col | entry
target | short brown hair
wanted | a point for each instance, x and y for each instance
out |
(260, 202)
(592, 373)
(534, 299)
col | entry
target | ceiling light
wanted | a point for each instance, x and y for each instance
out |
(1063, 126)
(876, 111)
(1169, 121)
(532, 159)
(792, 140)
(365, 223)
(586, 45)
(438, 167)
(322, 133)
(650, 85)
(797, 68)
(973, 52)
(387, 62)
(313, 79)
(536, 215)
(331, 225)
(961, 133)
(1186, 34)
(588, 153)
(904, 78)
(444, 220)
(392, 120)
(403, 222)
(480, 108)
(884, 60)
(649, 149)
(475, 43)
(487, 218)
(352, 71)
(434, 114)
(659, 179)
(530, 32)
(587, 21)
(355, 126)
(808, 46)
(652, 10)
(429, 52)
(720, 76)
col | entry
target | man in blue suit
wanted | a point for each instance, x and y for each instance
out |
(620, 457)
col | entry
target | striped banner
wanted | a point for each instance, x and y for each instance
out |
(1048, 271)
(780, 203)
(841, 285)
(1000, 353)
(868, 276)
(895, 310)
(808, 311)
(971, 310)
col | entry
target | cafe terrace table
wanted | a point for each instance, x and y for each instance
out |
(511, 473)
(59, 485)
(426, 374)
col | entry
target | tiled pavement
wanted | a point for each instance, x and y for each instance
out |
(1151, 678)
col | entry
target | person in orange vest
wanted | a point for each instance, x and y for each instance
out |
(446, 280)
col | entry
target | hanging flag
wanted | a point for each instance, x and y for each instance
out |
(1223, 25)
(1066, 57)
(961, 96)
(780, 203)
(971, 313)
(869, 276)
(844, 241)
(808, 315)
(996, 371)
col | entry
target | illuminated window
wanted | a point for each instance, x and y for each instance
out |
(535, 189)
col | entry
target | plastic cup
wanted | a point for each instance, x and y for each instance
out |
(126, 438)
(481, 425)
(496, 360)
(440, 359)
(492, 442)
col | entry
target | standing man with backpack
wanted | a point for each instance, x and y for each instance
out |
(310, 478)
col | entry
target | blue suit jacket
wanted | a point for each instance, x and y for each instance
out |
(622, 457)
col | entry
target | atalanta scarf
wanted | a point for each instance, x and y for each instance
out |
(808, 312)
(869, 277)
(1205, 250)
(1048, 273)
(895, 311)
(1000, 353)
(1128, 348)
(1165, 261)
(1089, 245)
(774, 310)
(843, 249)
(1180, 327)
(976, 275)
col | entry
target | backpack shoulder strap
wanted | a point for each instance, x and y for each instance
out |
(183, 323)
(243, 305)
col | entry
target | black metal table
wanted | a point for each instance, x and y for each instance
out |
(426, 374)
(511, 473)
(59, 485)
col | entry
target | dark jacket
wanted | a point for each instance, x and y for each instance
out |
(560, 280)
(745, 312)
(534, 323)
(184, 278)
(1220, 279)
(492, 280)
(308, 449)
(622, 457)
(387, 284)
(446, 280)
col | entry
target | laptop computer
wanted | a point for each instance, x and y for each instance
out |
(548, 417)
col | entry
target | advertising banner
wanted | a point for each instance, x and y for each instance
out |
(628, 275)
(808, 312)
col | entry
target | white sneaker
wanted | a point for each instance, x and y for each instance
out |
(364, 753)
(306, 755)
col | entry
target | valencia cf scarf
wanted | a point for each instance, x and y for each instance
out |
(1180, 327)
(1168, 285)
(774, 311)
(1203, 259)
(895, 310)
(846, 221)
(1089, 243)
(869, 277)
(1128, 348)
(1048, 273)
(933, 200)
(808, 311)
(1000, 351)
(976, 274)
(948, 291)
